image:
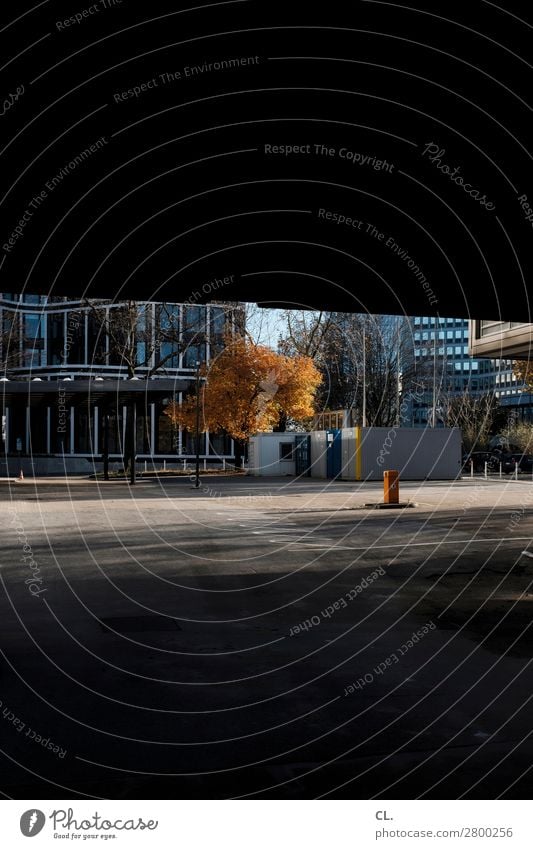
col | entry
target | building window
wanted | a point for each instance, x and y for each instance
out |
(96, 341)
(59, 430)
(33, 340)
(115, 430)
(194, 335)
(194, 319)
(10, 338)
(193, 354)
(219, 444)
(286, 451)
(84, 429)
(56, 338)
(168, 322)
(166, 433)
(75, 338)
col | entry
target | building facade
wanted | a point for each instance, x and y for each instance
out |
(60, 340)
(499, 339)
(511, 339)
(439, 362)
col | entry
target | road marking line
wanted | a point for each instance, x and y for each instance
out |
(275, 530)
(417, 544)
(291, 541)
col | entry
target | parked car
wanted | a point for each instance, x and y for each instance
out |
(524, 461)
(509, 460)
(479, 459)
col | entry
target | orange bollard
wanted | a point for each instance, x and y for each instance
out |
(391, 487)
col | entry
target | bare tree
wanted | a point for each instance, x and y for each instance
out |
(127, 337)
(382, 340)
(20, 344)
(140, 338)
(476, 416)
(307, 333)
(10, 341)
(360, 358)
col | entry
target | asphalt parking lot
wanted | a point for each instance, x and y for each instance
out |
(266, 638)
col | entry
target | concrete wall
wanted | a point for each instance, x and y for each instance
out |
(42, 466)
(264, 455)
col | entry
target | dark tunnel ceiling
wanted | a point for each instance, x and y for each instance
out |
(371, 158)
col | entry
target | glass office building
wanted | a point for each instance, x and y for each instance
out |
(58, 340)
(439, 360)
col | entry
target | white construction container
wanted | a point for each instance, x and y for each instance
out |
(318, 454)
(430, 453)
(363, 453)
(271, 454)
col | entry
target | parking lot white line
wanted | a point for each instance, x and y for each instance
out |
(408, 544)
(267, 523)
(274, 530)
(297, 542)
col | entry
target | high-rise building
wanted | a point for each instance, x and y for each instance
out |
(437, 359)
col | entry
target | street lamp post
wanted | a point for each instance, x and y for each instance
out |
(364, 375)
(434, 410)
(105, 422)
(197, 477)
(133, 441)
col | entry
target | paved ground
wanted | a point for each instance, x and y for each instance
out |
(256, 638)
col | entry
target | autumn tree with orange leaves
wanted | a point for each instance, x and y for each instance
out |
(250, 388)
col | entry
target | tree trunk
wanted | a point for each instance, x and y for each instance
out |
(127, 441)
(281, 426)
(105, 448)
(240, 451)
(130, 448)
